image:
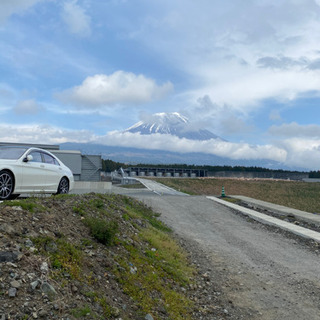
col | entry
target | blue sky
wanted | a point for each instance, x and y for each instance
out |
(83, 71)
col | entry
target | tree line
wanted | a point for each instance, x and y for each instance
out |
(109, 166)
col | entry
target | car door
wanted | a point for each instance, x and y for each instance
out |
(53, 172)
(33, 174)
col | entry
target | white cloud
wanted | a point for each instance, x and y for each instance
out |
(175, 144)
(42, 134)
(28, 107)
(246, 88)
(9, 7)
(301, 142)
(295, 130)
(224, 47)
(295, 152)
(221, 118)
(302, 152)
(118, 88)
(76, 19)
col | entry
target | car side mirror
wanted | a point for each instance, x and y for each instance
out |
(29, 157)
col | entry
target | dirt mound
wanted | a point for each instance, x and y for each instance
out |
(94, 257)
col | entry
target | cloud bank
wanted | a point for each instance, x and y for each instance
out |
(175, 144)
(311, 131)
(43, 134)
(118, 88)
(292, 152)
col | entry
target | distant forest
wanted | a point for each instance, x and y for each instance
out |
(109, 165)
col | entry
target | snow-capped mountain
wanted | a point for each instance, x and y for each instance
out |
(171, 123)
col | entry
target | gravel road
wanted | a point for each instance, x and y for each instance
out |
(259, 271)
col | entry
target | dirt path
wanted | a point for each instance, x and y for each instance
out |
(261, 273)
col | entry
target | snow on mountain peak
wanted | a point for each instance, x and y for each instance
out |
(171, 123)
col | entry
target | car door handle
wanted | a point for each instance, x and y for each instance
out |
(41, 166)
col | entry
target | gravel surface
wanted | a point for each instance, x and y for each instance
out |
(292, 218)
(258, 272)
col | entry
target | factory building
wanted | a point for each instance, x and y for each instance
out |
(165, 172)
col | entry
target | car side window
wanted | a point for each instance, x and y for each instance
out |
(36, 156)
(49, 159)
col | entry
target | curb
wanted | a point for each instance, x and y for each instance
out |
(297, 230)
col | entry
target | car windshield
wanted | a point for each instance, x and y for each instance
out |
(12, 152)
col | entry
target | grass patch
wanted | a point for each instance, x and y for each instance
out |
(64, 256)
(294, 194)
(81, 312)
(107, 310)
(136, 209)
(168, 254)
(153, 276)
(232, 200)
(29, 204)
(102, 230)
(153, 281)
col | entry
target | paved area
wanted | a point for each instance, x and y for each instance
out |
(159, 188)
(281, 210)
(300, 231)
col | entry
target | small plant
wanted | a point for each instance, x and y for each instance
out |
(102, 230)
(81, 312)
(87, 242)
(97, 203)
(79, 210)
(108, 311)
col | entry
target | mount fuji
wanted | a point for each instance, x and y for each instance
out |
(171, 123)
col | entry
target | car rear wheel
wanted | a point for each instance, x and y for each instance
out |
(6, 185)
(63, 187)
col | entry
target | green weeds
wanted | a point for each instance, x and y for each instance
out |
(81, 312)
(136, 209)
(65, 257)
(102, 230)
(151, 277)
(29, 204)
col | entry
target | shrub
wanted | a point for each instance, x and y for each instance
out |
(102, 230)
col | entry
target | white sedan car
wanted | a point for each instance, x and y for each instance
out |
(32, 170)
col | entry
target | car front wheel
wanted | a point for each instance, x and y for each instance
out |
(63, 187)
(6, 185)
